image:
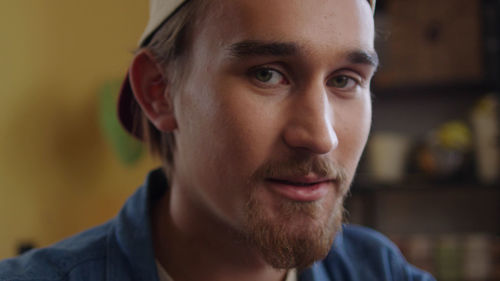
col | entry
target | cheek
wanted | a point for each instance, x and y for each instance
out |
(210, 162)
(248, 130)
(226, 133)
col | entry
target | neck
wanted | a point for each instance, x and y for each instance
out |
(192, 245)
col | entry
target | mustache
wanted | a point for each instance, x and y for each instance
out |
(297, 166)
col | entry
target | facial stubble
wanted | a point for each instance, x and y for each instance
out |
(299, 233)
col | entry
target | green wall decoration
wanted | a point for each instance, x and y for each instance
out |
(128, 149)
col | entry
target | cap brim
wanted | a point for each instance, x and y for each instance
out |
(127, 107)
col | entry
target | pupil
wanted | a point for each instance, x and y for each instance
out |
(341, 81)
(264, 75)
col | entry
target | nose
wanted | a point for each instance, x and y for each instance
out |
(311, 124)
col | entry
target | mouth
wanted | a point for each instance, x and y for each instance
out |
(301, 189)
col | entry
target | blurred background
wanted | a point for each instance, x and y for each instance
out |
(429, 178)
(62, 162)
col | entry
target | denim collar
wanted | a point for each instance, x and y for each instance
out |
(130, 244)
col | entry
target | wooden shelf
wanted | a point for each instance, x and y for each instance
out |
(364, 186)
(434, 90)
(426, 207)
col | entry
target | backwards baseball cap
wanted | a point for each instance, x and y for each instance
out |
(159, 12)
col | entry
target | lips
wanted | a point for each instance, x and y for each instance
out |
(303, 189)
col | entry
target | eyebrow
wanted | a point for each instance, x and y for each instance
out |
(253, 48)
(363, 57)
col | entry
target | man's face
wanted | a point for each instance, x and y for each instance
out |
(272, 119)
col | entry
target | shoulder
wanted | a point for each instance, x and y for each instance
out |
(83, 255)
(360, 253)
(358, 238)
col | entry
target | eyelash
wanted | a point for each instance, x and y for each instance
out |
(357, 82)
(255, 71)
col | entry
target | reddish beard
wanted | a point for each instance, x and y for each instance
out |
(299, 233)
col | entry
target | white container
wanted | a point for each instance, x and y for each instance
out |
(486, 132)
(387, 154)
(477, 257)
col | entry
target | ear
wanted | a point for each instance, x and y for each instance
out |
(151, 91)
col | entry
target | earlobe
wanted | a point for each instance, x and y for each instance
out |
(151, 91)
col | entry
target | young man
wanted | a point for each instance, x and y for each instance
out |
(259, 111)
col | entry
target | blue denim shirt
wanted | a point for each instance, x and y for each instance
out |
(122, 250)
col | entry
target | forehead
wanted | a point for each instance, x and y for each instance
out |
(345, 24)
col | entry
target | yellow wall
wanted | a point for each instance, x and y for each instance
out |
(58, 173)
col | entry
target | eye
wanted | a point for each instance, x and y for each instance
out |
(342, 82)
(269, 76)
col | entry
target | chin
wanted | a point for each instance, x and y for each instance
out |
(297, 235)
